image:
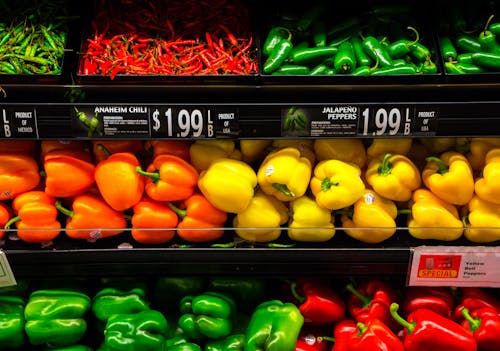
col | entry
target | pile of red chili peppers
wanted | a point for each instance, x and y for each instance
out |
(158, 37)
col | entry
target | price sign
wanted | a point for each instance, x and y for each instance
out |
(385, 121)
(18, 122)
(455, 266)
(181, 122)
(6, 275)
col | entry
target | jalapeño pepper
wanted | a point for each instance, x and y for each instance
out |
(489, 61)
(273, 38)
(488, 40)
(278, 55)
(448, 50)
(345, 60)
(362, 58)
(376, 51)
(467, 43)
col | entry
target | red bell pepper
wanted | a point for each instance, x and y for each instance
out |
(153, 222)
(438, 299)
(374, 335)
(426, 330)
(474, 298)
(372, 299)
(319, 303)
(484, 323)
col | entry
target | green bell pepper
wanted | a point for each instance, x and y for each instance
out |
(72, 348)
(142, 331)
(209, 315)
(110, 301)
(11, 322)
(274, 326)
(180, 343)
(235, 342)
(55, 318)
(244, 290)
(168, 291)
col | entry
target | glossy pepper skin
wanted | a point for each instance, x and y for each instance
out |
(179, 148)
(474, 298)
(208, 315)
(5, 215)
(394, 177)
(264, 211)
(305, 146)
(435, 298)
(477, 150)
(200, 221)
(18, 174)
(153, 222)
(203, 152)
(235, 342)
(12, 322)
(428, 330)
(254, 149)
(336, 184)
(142, 331)
(68, 172)
(118, 182)
(487, 187)
(72, 348)
(482, 221)
(92, 218)
(347, 150)
(102, 149)
(449, 177)
(382, 146)
(484, 323)
(318, 303)
(274, 326)
(284, 174)
(228, 184)
(309, 222)
(372, 299)
(169, 178)
(36, 219)
(56, 317)
(373, 218)
(433, 218)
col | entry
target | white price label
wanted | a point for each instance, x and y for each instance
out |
(183, 123)
(385, 121)
(6, 275)
(455, 266)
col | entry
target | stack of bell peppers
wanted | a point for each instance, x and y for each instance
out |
(224, 192)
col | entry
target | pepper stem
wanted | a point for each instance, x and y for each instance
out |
(405, 211)
(104, 149)
(488, 23)
(177, 210)
(326, 338)
(475, 323)
(385, 167)
(417, 39)
(12, 221)
(295, 293)
(327, 183)
(155, 176)
(362, 328)
(442, 167)
(284, 189)
(365, 300)
(63, 209)
(394, 313)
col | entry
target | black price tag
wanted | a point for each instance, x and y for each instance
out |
(227, 122)
(18, 122)
(182, 122)
(425, 122)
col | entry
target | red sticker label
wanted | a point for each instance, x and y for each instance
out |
(439, 266)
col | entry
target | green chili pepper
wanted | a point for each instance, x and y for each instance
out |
(362, 71)
(488, 40)
(312, 55)
(279, 54)
(302, 45)
(467, 43)
(7, 67)
(273, 38)
(448, 50)
(402, 47)
(309, 17)
(319, 34)
(487, 60)
(403, 69)
(469, 68)
(427, 67)
(465, 58)
(362, 58)
(399, 62)
(451, 68)
(345, 60)
(420, 52)
(376, 51)
(291, 70)
(494, 28)
(320, 69)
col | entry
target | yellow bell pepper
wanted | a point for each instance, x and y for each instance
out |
(483, 221)
(418, 152)
(336, 184)
(433, 218)
(382, 146)
(305, 146)
(439, 145)
(372, 220)
(228, 184)
(254, 149)
(309, 222)
(344, 149)
(487, 187)
(449, 177)
(284, 174)
(478, 148)
(261, 221)
(203, 152)
(394, 177)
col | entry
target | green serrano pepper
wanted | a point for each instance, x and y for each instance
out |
(345, 60)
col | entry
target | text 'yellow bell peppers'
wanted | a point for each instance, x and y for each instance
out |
(433, 218)
(372, 220)
(309, 222)
(487, 187)
(336, 184)
(449, 177)
(483, 221)
(261, 220)
(284, 174)
(228, 184)
(394, 177)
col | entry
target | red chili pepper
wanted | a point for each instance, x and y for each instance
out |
(438, 299)
(474, 298)
(372, 299)
(425, 330)
(319, 303)
(484, 323)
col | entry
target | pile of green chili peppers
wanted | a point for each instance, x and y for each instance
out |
(471, 52)
(378, 44)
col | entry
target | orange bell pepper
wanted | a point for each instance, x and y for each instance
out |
(170, 178)
(151, 222)
(18, 174)
(5, 214)
(200, 220)
(113, 147)
(36, 219)
(179, 148)
(25, 147)
(68, 172)
(91, 218)
(47, 146)
(118, 182)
